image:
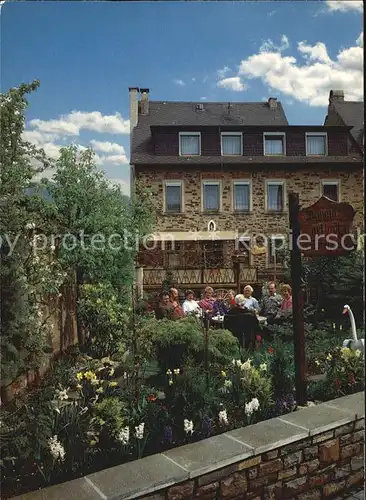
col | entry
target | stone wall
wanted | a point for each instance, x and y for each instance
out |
(311, 454)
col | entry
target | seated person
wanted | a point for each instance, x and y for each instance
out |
(164, 307)
(242, 322)
(285, 311)
(270, 303)
(190, 306)
(220, 306)
(250, 302)
(174, 300)
(206, 304)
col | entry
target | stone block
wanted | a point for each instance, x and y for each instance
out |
(329, 451)
(354, 403)
(310, 495)
(154, 496)
(360, 424)
(356, 478)
(285, 474)
(318, 419)
(350, 450)
(266, 457)
(252, 473)
(302, 469)
(346, 439)
(207, 491)
(216, 475)
(182, 491)
(270, 467)
(142, 477)
(323, 437)
(358, 436)
(312, 465)
(273, 492)
(293, 458)
(311, 452)
(357, 462)
(80, 489)
(295, 487)
(262, 481)
(319, 479)
(332, 488)
(233, 486)
(251, 462)
(268, 435)
(209, 454)
(344, 429)
(299, 445)
(342, 471)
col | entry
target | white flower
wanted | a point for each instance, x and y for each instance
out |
(263, 367)
(168, 372)
(357, 353)
(62, 394)
(255, 404)
(176, 371)
(188, 426)
(236, 362)
(329, 357)
(228, 384)
(56, 449)
(247, 365)
(252, 406)
(140, 431)
(30, 225)
(223, 417)
(124, 435)
(53, 248)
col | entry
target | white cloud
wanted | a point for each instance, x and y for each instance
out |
(123, 185)
(222, 72)
(72, 123)
(344, 5)
(234, 83)
(204, 98)
(193, 79)
(269, 46)
(179, 82)
(311, 80)
(359, 40)
(107, 147)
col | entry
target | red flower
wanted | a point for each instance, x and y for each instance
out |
(270, 350)
(351, 379)
(338, 383)
(151, 397)
(258, 337)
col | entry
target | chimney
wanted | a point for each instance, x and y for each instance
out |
(336, 96)
(144, 101)
(272, 102)
(133, 91)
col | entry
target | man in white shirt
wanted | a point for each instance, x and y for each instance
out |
(190, 306)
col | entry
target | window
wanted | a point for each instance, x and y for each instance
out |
(276, 246)
(241, 196)
(231, 143)
(211, 195)
(275, 196)
(274, 143)
(189, 143)
(316, 144)
(330, 189)
(173, 197)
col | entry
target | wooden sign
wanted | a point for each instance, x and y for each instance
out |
(325, 228)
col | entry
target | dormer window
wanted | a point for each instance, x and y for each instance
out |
(189, 143)
(274, 143)
(316, 144)
(231, 144)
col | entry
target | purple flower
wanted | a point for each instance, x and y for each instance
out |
(206, 425)
(168, 434)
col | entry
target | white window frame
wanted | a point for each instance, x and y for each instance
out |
(241, 182)
(250, 256)
(265, 134)
(271, 238)
(168, 183)
(321, 134)
(212, 182)
(331, 182)
(198, 134)
(236, 134)
(275, 182)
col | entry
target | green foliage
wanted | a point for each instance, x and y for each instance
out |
(282, 368)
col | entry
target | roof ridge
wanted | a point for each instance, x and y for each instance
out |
(212, 102)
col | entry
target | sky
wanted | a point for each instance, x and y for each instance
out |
(87, 54)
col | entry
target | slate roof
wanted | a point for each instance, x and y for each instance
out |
(185, 114)
(352, 114)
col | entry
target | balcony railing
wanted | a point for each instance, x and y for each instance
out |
(199, 277)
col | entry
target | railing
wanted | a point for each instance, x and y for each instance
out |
(199, 277)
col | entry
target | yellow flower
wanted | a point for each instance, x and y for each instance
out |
(79, 387)
(223, 374)
(317, 362)
(113, 384)
(79, 376)
(357, 353)
(92, 442)
(329, 357)
(99, 390)
(89, 375)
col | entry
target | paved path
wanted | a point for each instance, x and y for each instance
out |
(356, 495)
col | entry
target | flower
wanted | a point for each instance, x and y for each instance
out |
(223, 417)
(338, 383)
(252, 406)
(140, 431)
(329, 357)
(228, 384)
(113, 384)
(317, 362)
(263, 367)
(270, 350)
(168, 372)
(30, 225)
(176, 371)
(56, 449)
(188, 426)
(223, 374)
(151, 397)
(170, 382)
(62, 394)
(247, 365)
(357, 353)
(99, 390)
(124, 435)
(79, 376)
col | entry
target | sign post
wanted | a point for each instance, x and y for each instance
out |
(297, 302)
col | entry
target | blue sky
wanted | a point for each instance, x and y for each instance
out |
(87, 54)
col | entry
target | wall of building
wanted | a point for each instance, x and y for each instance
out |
(311, 454)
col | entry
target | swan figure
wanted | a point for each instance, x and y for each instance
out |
(353, 343)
